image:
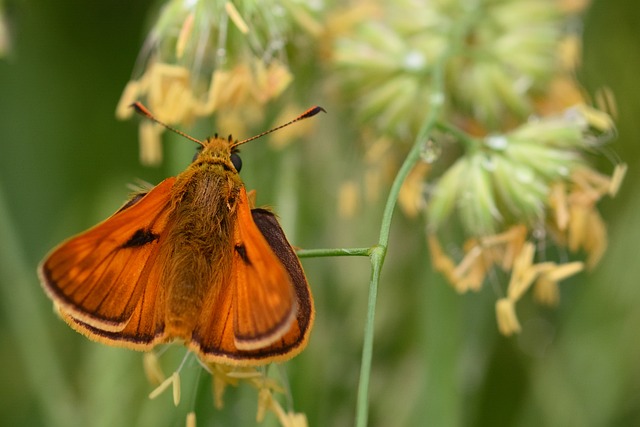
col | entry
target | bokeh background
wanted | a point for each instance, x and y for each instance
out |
(439, 359)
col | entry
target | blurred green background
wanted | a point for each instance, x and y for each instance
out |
(439, 360)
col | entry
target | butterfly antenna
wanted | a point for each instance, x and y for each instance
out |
(309, 113)
(141, 109)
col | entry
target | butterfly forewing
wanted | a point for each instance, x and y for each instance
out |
(296, 338)
(215, 339)
(145, 326)
(265, 298)
(100, 277)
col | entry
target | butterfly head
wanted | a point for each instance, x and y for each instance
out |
(217, 150)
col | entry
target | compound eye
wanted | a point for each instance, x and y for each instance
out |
(236, 161)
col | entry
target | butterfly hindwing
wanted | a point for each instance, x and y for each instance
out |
(99, 278)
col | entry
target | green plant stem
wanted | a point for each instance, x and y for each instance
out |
(377, 256)
(379, 251)
(316, 253)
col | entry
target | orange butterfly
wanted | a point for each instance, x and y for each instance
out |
(188, 260)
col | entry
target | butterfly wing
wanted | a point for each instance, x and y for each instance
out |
(295, 339)
(247, 320)
(105, 281)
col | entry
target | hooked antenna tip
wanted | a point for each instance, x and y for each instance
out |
(312, 112)
(141, 109)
